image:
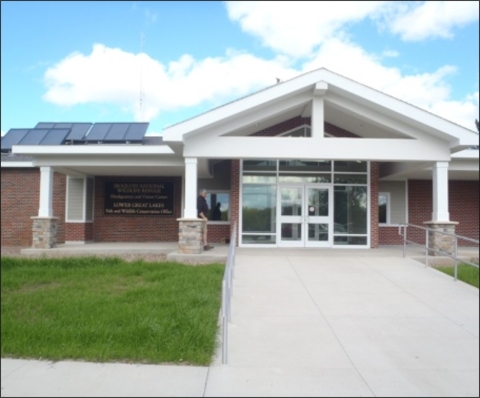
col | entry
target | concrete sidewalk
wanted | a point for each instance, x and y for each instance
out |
(308, 323)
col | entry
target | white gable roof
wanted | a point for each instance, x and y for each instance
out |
(343, 96)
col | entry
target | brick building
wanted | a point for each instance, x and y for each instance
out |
(316, 161)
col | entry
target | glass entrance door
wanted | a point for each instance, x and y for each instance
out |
(304, 216)
(318, 201)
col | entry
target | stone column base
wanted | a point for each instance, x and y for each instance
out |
(439, 241)
(44, 232)
(190, 235)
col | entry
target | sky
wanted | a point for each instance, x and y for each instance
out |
(163, 62)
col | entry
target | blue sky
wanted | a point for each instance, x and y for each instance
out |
(164, 62)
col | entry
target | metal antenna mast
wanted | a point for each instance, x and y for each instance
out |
(142, 37)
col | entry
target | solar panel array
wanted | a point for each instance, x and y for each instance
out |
(117, 132)
(77, 130)
(75, 133)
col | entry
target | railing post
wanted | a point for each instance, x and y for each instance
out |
(227, 289)
(456, 258)
(426, 247)
(404, 238)
(225, 325)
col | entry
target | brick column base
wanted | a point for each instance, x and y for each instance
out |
(190, 235)
(439, 241)
(44, 232)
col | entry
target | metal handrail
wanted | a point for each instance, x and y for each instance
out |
(227, 291)
(428, 249)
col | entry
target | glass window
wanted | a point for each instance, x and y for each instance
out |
(305, 178)
(350, 179)
(259, 209)
(303, 165)
(259, 239)
(260, 165)
(384, 208)
(356, 166)
(350, 240)
(350, 210)
(258, 178)
(219, 206)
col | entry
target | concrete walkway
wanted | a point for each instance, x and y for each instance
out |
(308, 323)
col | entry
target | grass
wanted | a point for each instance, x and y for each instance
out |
(465, 272)
(107, 309)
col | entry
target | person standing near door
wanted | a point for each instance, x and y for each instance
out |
(202, 212)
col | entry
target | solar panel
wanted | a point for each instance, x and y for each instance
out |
(44, 125)
(98, 132)
(12, 137)
(78, 131)
(136, 131)
(117, 132)
(33, 137)
(55, 136)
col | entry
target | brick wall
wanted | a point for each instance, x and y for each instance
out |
(135, 228)
(82, 232)
(463, 207)
(389, 236)
(59, 198)
(20, 201)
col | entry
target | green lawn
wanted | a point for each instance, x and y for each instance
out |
(107, 309)
(465, 272)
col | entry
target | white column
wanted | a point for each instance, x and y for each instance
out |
(440, 192)
(190, 210)
(318, 117)
(46, 192)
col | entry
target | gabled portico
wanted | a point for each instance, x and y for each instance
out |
(385, 131)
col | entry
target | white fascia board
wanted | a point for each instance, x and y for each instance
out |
(388, 150)
(91, 149)
(17, 164)
(112, 160)
(288, 88)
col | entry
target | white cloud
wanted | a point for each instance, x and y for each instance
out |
(432, 19)
(297, 27)
(391, 54)
(110, 75)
